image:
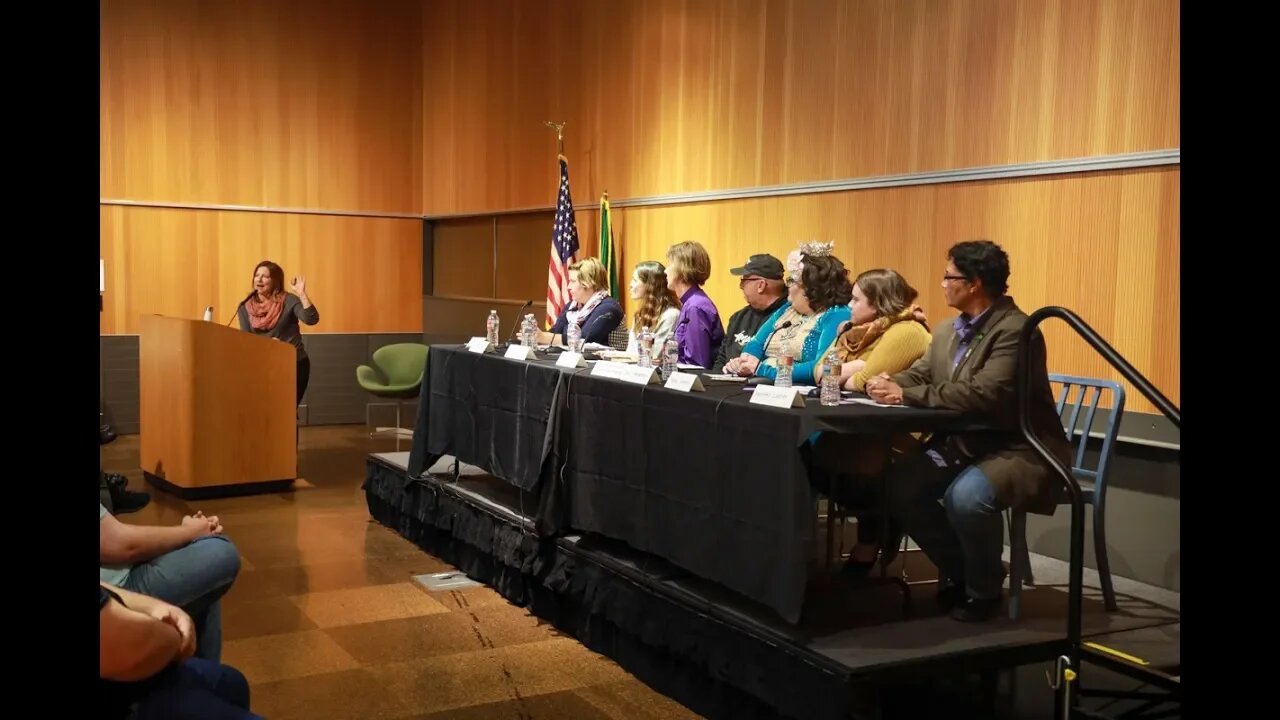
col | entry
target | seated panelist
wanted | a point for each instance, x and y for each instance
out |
(804, 328)
(591, 309)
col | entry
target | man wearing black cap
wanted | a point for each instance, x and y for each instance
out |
(762, 287)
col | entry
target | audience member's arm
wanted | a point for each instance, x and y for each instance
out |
(123, 544)
(132, 643)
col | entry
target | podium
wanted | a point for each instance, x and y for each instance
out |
(216, 408)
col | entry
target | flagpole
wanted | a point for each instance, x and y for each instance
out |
(559, 128)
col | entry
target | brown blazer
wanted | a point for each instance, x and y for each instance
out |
(985, 382)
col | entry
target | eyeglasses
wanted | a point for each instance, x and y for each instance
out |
(746, 279)
(945, 278)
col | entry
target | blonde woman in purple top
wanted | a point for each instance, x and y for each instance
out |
(698, 329)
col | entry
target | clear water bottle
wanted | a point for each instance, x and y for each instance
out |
(491, 328)
(645, 344)
(529, 332)
(574, 337)
(829, 394)
(783, 378)
(670, 357)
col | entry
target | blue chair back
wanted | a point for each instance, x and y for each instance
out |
(1080, 405)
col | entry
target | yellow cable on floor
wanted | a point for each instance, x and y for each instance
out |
(1117, 653)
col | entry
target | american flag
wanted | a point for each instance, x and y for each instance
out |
(564, 246)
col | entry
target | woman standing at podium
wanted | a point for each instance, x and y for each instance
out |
(272, 311)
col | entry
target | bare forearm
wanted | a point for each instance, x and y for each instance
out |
(133, 645)
(134, 601)
(146, 542)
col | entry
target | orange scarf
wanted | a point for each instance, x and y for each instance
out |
(857, 338)
(264, 314)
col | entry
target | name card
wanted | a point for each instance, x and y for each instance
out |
(684, 382)
(639, 375)
(478, 345)
(777, 397)
(519, 352)
(605, 369)
(626, 373)
(570, 360)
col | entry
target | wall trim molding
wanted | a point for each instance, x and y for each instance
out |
(1070, 166)
(255, 209)
(1097, 163)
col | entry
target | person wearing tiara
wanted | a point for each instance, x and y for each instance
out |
(818, 294)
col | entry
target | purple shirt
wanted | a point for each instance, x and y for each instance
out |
(698, 329)
(967, 330)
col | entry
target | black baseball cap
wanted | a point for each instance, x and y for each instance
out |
(765, 266)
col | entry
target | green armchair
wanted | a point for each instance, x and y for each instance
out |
(397, 374)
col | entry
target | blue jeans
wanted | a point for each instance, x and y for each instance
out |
(964, 534)
(197, 690)
(193, 577)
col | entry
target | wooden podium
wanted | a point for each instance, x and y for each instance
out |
(217, 409)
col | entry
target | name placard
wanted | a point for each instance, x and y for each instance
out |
(624, 372)
(640, 375)
(478, 345)
(684, 382)
(570, 360)
(606, 369)
(777, 397)
(519, 352)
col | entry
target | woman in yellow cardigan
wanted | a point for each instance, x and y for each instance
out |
(886, 334)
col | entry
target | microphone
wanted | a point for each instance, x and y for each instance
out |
(764, 349)
(242, 302)
(519, 315)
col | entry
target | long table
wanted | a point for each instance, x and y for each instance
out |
(707, 480)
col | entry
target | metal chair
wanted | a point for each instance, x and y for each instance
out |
(1092, 477)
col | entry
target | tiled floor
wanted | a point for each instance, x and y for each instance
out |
(326, 622)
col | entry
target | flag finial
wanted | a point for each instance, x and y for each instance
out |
(559, 128)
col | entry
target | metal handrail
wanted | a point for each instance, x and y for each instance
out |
(1075, 588)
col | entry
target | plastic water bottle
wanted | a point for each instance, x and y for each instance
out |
(670, 357)
(574, 337)
(645, 348)
(529, 331)
(783, 378)
(491, 328)
(829, 395)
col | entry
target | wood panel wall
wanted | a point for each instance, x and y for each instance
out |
(1106, 245)
(364, 274)
(670, 96)
(311, 104)
(464, 251)
(290, 103)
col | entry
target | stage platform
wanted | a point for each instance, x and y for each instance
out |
(722, 655)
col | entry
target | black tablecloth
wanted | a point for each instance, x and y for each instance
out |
(708, 481)
(705, 480)
(495, 413)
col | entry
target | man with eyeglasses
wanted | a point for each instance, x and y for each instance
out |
(763, 289)
(971, 366)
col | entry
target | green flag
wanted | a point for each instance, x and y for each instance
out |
(608, 257)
